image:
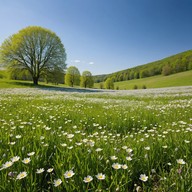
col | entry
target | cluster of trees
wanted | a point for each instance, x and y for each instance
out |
(174, 64)
(73, 77)
(36, 53)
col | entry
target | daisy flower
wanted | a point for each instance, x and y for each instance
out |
(31, 154)
(26, 160)
(98, 149)
(41, 170)
(116, 166)
(143, 177)
(128, 158)
(100, 176)
(49, 170)
(21, 175)
(14, 159)
(69, 174)
(57, 182)
(113, 158)
(180, 161)
(7, 164)
(88, 179)
(124, 166)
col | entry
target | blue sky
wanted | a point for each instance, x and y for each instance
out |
(105, 36)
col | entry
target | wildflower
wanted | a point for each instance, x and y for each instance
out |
(180, 161)
(143, 177)
(69, 136)
(7, 164)
(129, 150)
(116, 166)
(21, 175)
(63, 144)
(78, 144)
(31, 154)
(26, 160)
(147, 148)
(41, 170)
(128, 158)
(18, 136)
(124, 147)
(57, 182)
(69, 174)
(113, 158)
(49, 170)
(124, 166)
(14, 159)
(100, 176)
(88, 179)
(12, 143)
(98, 149)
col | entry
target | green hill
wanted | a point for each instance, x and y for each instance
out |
(159, 81)
(170, 65)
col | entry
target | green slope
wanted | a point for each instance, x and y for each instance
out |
(176, 63)
(178, 79)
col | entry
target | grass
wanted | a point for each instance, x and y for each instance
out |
(179, 79)
(7, 83)
(117, 134)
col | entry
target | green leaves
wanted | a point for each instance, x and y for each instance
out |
(35, 49)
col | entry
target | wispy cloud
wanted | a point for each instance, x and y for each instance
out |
(91, 63)
(77, 61)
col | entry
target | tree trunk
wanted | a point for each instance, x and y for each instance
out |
(35, 80)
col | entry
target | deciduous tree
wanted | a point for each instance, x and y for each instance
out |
(87, 79)
(109, 84)
(35, 49)
(72, 76)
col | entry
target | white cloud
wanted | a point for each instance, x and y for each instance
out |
(77, 61)
(91, 63)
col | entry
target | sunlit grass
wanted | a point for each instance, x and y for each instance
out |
(59, 141)
(178, 79)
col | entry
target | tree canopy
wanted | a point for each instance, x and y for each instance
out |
(109, 83)
(35, 49)
(87, 79)
(72, 76)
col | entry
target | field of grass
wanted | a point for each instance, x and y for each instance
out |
(179, 79)
(138, 140)
(7, 83)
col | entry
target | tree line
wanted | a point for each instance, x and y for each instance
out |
(170, 65)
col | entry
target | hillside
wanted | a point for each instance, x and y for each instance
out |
(159, 81)
(169, 65)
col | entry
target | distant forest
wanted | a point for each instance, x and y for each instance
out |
(167, 66)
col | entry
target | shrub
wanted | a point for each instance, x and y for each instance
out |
(144, 87)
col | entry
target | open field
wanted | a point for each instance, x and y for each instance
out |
(61, 139)
(178, 79)
(7, 83)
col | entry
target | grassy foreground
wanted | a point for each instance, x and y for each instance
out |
(119, 141)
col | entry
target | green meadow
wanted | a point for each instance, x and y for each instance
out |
(178, 79)
(55, 140)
